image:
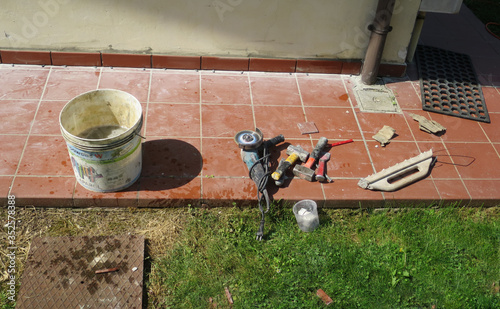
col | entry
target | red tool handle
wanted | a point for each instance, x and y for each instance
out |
(340, 143)
(321, 170)
(309, 163)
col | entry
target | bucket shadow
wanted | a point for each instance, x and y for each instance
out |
(170, 163)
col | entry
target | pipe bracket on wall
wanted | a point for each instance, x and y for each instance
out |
(383, 31)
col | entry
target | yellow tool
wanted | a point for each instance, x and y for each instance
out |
(294, 153)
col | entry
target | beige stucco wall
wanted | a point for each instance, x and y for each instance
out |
(250, 28)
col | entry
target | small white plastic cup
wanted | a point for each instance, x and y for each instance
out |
(306, 213)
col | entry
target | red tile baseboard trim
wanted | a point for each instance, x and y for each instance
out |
(26, 57)
(224, 63)
(194, 62)
(76, 59)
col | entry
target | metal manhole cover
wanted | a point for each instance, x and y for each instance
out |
(449, 84)
(60, 272)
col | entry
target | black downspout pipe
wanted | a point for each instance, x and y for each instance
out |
(379, 28)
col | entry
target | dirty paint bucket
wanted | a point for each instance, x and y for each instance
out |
(102, 131)
(306, 213)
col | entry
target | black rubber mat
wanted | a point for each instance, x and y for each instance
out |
(449, 84)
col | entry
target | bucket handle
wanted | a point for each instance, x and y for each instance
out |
(139, 135)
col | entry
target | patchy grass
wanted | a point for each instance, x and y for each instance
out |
(412, 257)
(159, 226)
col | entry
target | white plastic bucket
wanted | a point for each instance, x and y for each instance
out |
(102, 131)
(306, 213)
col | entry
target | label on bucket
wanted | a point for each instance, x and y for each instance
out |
(103, 157)
(110, 170)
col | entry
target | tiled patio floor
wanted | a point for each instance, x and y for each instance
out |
(189, 155)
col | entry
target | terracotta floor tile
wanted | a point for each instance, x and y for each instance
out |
(171, 158)
(492, 129)
(484, 192)
(223, 191)
(349, 160)
(173, 120)
(46, 156)
(137, 84)
(423, 190)
(405, 94)
(16, 116)
(275, 90)
(371, 123)
(125, 198)
(460, 130)
(299, 189)
(334, 123)
(392, 154)
(175, 88)
(226, 120)
(44, 191)
(47, 118)
(221, 157)
(232, 89)
(169, 192)
(19, 83)
(444, 167)
(323, 92)
(452, 190)
(274, 120)
(12, 148)
(5, 182)
(492, 99)
(67, 84)
(478, 161)
(347, 193)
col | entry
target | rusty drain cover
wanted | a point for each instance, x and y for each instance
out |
(60, 272)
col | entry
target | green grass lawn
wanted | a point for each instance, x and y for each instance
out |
(409, 258)
(425, 257)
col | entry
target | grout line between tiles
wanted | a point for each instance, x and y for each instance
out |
(145, 128)
(29, 131)
(359, 127)
(361, 132)
(489, 140)
(419, 150)
(251, 100)
(147, 104)
(310, 136)
(201, 132)
(456, 169)
(99, 78)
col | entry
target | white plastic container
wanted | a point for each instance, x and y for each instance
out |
(102, 131)
(306, 213)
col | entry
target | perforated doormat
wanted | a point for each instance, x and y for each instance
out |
(83, 272)
(449, 84)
